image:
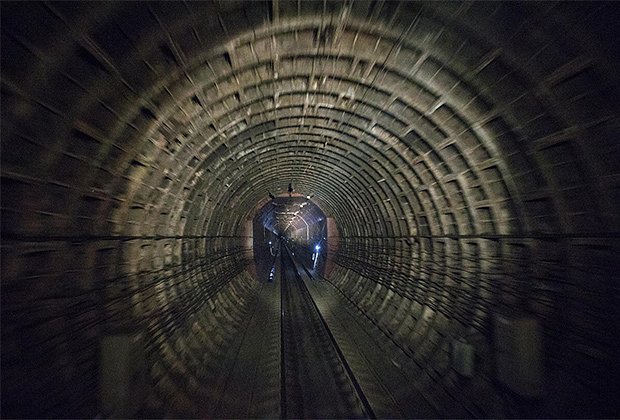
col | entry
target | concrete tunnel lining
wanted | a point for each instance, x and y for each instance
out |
(466, 151)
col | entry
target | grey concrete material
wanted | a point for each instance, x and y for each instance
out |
(405, 119)
(373, 378)
(421, 398)
(395, 395)
(253, 383)
(195, 361)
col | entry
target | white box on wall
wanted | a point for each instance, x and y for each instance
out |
(122, 376)
(463, 355)
(518, 353)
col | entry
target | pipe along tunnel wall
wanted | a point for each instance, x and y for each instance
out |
(467, 153)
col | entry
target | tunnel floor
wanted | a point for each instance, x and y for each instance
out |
(303, 351)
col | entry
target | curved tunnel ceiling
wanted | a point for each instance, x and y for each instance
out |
(424, 117)
(434, 134)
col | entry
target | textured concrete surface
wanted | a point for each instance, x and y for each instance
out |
(467, 152)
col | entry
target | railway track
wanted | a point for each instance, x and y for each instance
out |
(305, 355)
(316, 380)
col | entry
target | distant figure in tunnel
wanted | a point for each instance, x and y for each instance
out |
(271, 195)
(290, 189)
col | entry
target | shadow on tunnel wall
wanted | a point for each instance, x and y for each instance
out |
(468, 153)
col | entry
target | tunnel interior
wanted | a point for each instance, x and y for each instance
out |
(300, 224)
(459, 160)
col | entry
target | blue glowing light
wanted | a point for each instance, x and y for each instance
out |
(317, 247)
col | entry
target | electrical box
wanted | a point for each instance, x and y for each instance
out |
(463, 355)
(518, 351)
(123, 376)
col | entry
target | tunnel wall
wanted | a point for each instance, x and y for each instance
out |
(468, 153)
(467, 299)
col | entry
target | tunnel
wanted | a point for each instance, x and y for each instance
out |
(457, 255)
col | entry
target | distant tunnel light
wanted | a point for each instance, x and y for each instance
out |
(315, 255)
